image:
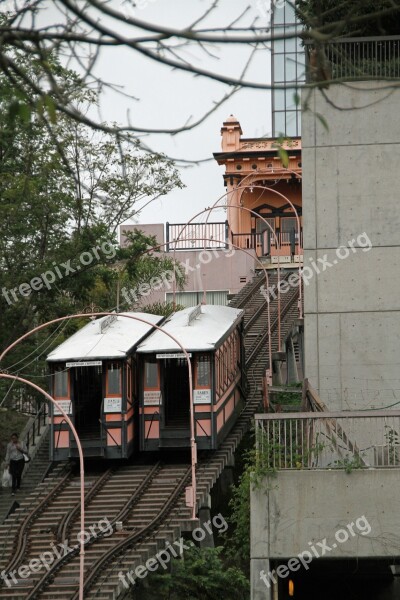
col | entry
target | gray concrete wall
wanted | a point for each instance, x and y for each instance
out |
(350, 187)
(295, 510)
(297, 507)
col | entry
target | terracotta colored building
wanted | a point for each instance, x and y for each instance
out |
(264, 209)
(256, 179)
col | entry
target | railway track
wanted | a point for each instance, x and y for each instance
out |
(143, 505)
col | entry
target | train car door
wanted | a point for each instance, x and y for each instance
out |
(87, 383)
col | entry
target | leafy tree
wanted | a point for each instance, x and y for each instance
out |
(201, 574)
(343, 18)
(64, 191)
(85, 31)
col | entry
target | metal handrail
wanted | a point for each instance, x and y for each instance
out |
(151, 423)
(353, 58)
(327, 415)
(34, 430)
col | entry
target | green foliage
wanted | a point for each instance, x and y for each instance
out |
(64, 191)
(317, 13)
(166, 309)
(349, 463)
(288, 398)
(200, 575)
(256, 467)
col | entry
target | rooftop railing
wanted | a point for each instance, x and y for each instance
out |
(329, 440)
(354, 58)
(180, 236)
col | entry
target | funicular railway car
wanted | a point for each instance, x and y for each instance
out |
(212, 335)
(93, 376)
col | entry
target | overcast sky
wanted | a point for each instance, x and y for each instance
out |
(168, 98)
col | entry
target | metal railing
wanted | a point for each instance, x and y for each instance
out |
(39, 421)
(21, 401)
(288, 241)
(329, 440)
(180, 236)
(354, 58)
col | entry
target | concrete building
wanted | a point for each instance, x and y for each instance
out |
(325, 525)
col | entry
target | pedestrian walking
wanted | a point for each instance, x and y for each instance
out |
(15, 461)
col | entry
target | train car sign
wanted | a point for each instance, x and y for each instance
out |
(66, 405)
(201, 396)
(152, 398)
(112, 405)
(81, 363)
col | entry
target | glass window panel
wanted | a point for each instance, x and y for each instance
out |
(114, 380)
(279, 67)
(278, 45)
(288, 224)
(290, 43)
(301, 62)
(299, 44)
(290, 16)
(61, 384)
(290, 99)
(150, 374)
(279, 99)
(203, 371)
(290, 67)
(261, 225)
(291, 123)
(279, 123)
(279, 13)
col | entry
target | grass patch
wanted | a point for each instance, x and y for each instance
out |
(11, 421)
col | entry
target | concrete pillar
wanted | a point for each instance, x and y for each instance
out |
(204, 517)
(291, 364)
(277, 359)
(225, 481)
(259, 590)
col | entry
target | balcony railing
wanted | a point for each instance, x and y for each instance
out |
(354, 58)
(180, 236)
(329, 440)
(266, 244)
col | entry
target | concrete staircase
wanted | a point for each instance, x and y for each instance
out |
(30, 479)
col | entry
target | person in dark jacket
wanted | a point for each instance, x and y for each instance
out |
(15, 461)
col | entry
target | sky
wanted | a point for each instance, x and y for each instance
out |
(167, 98)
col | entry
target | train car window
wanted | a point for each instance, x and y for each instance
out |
(61, 384)
(203, 371)
(114, 379)
(151, 375)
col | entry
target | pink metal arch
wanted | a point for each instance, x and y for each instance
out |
(208, 210)
(81, 465)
